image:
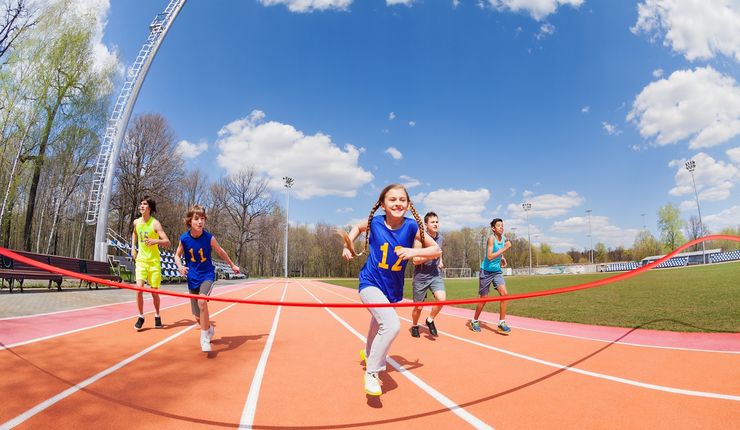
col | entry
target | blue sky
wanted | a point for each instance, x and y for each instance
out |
(477, 106)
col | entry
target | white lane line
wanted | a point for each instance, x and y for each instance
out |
(219, 289)
(466, 416)
(51, 336)
(559, 366)
(250, 405)
(555, 333)
(77, 387)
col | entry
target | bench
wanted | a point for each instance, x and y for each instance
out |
(67, 263)
(16, 271)
(98, 269)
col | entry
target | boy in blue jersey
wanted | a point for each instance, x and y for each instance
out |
(491, 273)
(390, 243)
(197, 244)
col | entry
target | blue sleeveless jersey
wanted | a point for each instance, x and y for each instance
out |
(383, 268)
(197, 256)
(495, 264)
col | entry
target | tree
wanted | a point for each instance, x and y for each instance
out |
(243, 197)
(17, 18)
(646, 245)
(600, 253)
(670, 224)
(67, 83)
(694, 230)
(148, 165)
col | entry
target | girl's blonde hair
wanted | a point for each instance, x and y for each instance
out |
(348, 243)
(194, 210)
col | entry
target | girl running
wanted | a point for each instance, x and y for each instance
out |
(390, 243)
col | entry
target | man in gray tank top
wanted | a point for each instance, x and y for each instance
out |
(428, 277)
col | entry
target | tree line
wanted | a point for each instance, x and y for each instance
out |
(54, 104)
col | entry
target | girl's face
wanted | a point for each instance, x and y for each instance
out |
(395, 204)
(197, 223)
(498, 228)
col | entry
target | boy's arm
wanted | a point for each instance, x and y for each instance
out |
(163, 241)
(178, 261)
(133, 243)
(215, 246)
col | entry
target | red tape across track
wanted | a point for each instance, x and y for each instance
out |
(626, 275)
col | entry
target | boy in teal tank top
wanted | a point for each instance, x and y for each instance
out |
(491, 273)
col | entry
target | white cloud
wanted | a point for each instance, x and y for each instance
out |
(714, 180)
(191, 150)
(456, 208)
(394, 153)
(345, 210)
(412, 123)
(97, 10)
(546, 30)
(273, 149)
(610, 129)
(727, 218)
(391, 116)
(303, 6)
(585, 109)
(537, 9)
(697, 29)
(601, 231)
(734, 155)
(546, 205)
(395, 2)
(658, 73)
(409, 182)
(699, 104)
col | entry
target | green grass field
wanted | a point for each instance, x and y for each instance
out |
(693, 299)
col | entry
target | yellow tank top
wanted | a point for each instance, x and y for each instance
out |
(147, 254)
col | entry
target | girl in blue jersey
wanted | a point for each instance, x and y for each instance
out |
(491, 273)
(390, 242)
(197, 244)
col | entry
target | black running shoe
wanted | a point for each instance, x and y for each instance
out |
(432, 327)
(415, 331)
(139, 323)
(158, 322)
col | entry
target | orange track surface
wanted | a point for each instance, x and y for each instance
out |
(313, 377)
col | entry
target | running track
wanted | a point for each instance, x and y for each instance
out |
(288, 367)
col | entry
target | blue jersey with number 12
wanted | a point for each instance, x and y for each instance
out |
(197, 255)
(383, 268)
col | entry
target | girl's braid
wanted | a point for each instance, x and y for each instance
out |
(418, 221)
(369, 221)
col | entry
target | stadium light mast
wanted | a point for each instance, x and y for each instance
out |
(288, 185)
(691, 166)
(591, 239)
(527, 206)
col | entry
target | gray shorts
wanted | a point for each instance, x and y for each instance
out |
(420, 288)
(205, 289)
(485, 278)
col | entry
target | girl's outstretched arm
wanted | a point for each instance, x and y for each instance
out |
(349, 239)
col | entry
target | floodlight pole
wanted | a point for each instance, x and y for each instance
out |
(288, 185)
(691, 166)
(527, 206)
(591, 239)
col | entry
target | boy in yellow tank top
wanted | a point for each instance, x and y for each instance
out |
(149, 235)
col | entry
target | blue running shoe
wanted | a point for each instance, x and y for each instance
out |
(475, 325)
(503, 328)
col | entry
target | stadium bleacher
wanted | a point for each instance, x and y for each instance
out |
(724, 256)
(621, 267)
(673, 262)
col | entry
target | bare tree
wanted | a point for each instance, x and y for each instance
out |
(16, 19)
(244, 198)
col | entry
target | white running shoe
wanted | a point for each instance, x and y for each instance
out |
(372, 384)
(205, 342)
(211, 332)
